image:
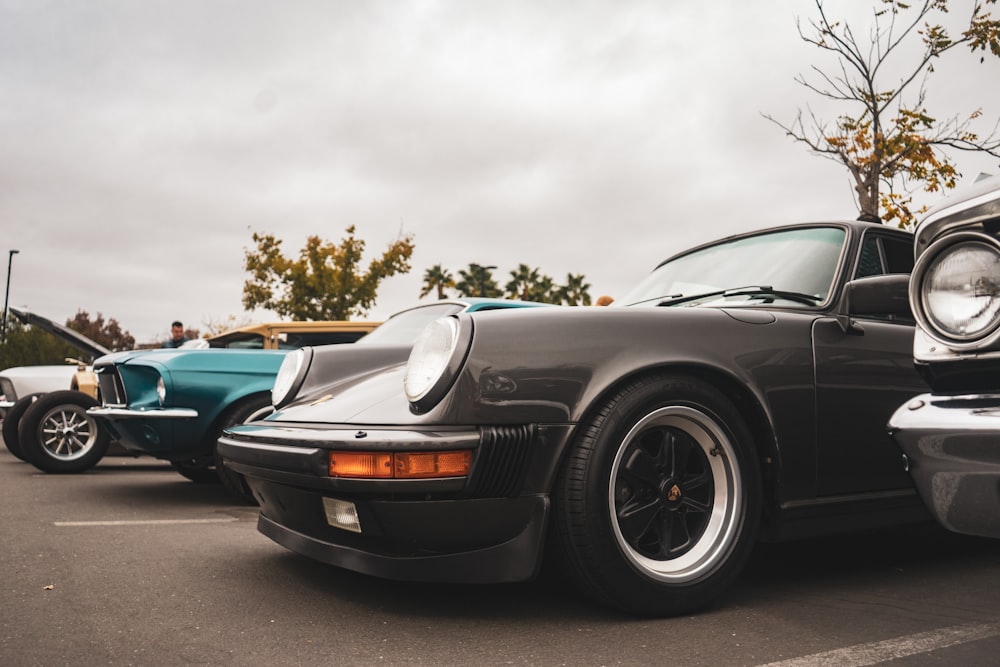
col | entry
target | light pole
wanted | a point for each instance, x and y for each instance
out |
(3, 325)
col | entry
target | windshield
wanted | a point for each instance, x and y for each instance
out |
(795, 261)
(403, 328)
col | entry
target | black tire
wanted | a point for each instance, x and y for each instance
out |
(250, 409)
(199, 471)
(656, 507)
(58, 436)
(12, 419)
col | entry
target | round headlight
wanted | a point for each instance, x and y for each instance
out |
(430, 368)
(290, 376)
(960, 291)
(161, 390)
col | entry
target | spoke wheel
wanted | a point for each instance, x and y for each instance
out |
(656, 505)
(57, 435)
(675, 494)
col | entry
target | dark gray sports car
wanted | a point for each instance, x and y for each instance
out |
(741, 393)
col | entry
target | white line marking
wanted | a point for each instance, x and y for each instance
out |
(148, 522)
(874, 653)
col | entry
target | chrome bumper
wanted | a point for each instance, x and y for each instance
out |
(150, 413)
(952, 444)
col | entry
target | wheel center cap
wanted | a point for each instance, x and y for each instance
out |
(671, 493)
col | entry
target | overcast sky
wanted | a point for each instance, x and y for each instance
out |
(142, 142)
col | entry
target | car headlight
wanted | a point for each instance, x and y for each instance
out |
(291, 375)
(435, 360)
(957, 291)
(161, 391)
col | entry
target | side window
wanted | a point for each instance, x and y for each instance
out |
(898, 255)
(882, 254)
(870, 262)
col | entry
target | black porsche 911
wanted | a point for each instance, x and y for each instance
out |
(740, 394)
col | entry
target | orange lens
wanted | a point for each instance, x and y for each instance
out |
(370, 465)
(402, 465)
(413, 465)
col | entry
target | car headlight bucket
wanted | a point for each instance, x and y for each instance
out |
(435, 361)
(291, 375)
(955, 291)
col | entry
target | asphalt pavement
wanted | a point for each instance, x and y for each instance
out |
(131, 564)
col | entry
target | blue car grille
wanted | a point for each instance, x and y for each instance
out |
(503, 452)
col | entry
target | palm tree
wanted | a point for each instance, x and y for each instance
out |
(522, 282)
(437, 279)
(478, 281)
(575, 292)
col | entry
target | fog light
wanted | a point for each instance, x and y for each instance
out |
(342, 514)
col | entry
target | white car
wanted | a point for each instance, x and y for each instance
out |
(68, 390)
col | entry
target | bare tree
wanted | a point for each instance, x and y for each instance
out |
(889, 142)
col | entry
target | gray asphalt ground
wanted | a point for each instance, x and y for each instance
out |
(130, 564)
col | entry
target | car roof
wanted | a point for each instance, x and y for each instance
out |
(267, 328)
(855, 226)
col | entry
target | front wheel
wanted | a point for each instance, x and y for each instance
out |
(58, 436)
(657, 505)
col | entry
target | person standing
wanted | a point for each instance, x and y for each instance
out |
(177, 337)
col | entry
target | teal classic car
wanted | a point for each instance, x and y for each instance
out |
(174, 404)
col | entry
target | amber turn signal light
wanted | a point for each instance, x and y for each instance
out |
(400, 465)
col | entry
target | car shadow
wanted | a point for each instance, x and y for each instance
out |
(806, 567)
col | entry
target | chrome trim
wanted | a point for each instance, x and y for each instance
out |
(111, 412)
(281, 449)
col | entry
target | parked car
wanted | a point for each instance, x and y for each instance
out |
(173, 403)
(951, 435)
(740, 394)
(68, 389)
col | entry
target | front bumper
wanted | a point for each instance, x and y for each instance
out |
(952, 444)
(487, 528)
(154, 431)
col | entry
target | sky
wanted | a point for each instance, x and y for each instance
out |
(143, 143)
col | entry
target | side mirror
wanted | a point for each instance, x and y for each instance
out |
(875, 295)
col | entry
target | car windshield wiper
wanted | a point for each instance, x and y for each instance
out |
(759, 291)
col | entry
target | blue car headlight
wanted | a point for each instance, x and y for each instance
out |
(291, 375)
(435, 360)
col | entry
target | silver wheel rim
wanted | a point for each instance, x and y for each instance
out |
(66, 433)
(658, 497)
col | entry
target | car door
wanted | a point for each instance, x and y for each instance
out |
(862, 376)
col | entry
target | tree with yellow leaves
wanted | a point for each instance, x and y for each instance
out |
(325, 282)
(891, 145)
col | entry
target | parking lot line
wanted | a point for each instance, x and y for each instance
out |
(143, 522)
(874, 653)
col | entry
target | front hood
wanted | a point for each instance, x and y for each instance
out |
(541, 365)
(201, 360)
(74, 338)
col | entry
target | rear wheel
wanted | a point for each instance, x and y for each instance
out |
(12, 419)
(657, 505)
(57, 435)
(250, 409)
